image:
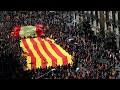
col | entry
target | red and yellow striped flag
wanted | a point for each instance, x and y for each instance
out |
(44, 52)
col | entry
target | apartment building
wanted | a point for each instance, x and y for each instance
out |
(106, 20)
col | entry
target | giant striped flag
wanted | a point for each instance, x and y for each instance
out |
(44, 52)
(26, 31)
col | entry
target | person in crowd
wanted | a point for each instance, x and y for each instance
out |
(88, 54)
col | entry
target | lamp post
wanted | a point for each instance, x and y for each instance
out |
(46, 73)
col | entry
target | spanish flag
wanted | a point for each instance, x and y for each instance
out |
(44, 52)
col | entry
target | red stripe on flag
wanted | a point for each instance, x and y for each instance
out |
(38, 52)
(47, 52)
(64, 58)
(33, 59)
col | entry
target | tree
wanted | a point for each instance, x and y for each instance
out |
(109, 42)
(87, 29)
(80, 29)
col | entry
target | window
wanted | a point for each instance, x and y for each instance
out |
(119, 16)
(96, 13)
(82, 12)
(75, 15)
(107, 15)
(75, 24)
(113, 17)
(91, 13)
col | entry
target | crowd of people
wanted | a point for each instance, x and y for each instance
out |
(87, 50)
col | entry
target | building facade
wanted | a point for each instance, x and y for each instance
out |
(106, 20)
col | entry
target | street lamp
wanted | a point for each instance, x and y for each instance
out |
(46, 73)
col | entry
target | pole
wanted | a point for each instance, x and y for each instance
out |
(46, 73)
(117, 32)
(94, 24)
(105, 24)
(110, 18)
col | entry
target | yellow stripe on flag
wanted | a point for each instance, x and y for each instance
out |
(28, 57)
(38, 59)
(28, 62)
(22, 45)
(59, 59)
(48, 59)
(65, 53)
(62, 51)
